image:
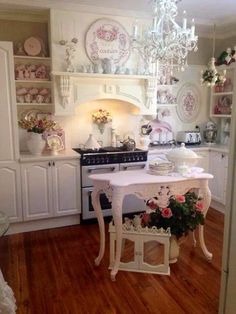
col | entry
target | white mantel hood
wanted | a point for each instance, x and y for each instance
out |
(73, 89)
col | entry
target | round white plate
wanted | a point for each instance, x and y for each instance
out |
(32, 46)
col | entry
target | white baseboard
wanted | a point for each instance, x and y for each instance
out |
(42, 224)
(218, 206)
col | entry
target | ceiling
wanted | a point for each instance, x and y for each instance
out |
(205, 12)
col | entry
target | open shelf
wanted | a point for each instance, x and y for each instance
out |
(222, 94)
(32, 58)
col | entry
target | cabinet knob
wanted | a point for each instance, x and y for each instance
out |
(222, 156)
(49, 164)
(53, 163)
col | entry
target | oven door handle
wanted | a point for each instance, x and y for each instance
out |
(104, 168)
(133, 166)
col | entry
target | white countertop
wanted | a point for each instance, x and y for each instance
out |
(65, 154)
(202, 147)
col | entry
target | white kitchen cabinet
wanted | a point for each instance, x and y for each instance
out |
(37, 190)
(50, 188)
(218, 166)
(10, 192)
(66, 187)
(204, 161)
(8, 121)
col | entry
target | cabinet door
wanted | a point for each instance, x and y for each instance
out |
(66, 187)
(218, 167)
(8, 124)
(37, 190)
(204, 161)
(10, 192)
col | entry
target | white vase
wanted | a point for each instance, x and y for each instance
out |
(174, 250)
(36, 143)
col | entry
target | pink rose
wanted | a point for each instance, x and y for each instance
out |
(199, 206)
(152, 204)
(166, 212)
(180, 198)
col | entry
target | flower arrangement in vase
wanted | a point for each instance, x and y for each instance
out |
(101, 117)
(36, 127)
(183, 214)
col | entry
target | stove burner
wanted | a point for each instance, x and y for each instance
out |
(110, 155)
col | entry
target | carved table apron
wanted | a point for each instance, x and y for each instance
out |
(145, 186)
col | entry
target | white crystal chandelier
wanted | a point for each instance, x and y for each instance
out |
(165, 42)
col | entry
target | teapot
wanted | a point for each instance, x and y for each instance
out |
(129, 144)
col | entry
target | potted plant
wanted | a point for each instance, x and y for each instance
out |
(36, 127)
(183, 214)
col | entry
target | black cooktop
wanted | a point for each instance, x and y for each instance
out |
(107, 149)
(110, 155)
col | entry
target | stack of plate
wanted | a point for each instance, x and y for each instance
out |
(160, 167)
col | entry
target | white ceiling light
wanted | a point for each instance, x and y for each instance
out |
(165, 41)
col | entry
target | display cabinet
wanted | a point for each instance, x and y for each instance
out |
(222, 101)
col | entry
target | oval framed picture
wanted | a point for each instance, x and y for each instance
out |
(188, 102)
(107, 39)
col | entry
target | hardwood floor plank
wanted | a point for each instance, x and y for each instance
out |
(53, 272)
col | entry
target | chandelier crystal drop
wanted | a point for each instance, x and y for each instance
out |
(165, 42)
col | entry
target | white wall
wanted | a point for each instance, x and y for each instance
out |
(66, 25)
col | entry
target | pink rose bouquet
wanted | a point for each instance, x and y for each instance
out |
(183, 214)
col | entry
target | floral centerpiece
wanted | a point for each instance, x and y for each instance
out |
(211, 76)
(101, 117)
(183, 214)
(38, 125)
(36, 128)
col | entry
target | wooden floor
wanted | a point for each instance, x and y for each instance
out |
(52, 272)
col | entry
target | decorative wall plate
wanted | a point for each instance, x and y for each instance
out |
(107, 39)
(188, 103)
(55, 143)
(32, 46)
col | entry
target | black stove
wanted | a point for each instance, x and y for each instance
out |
(110, 155)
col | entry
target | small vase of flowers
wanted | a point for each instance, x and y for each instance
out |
(36, 127)
(101, 117)
(183, 214)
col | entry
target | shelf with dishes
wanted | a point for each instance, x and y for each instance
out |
(221, 105)
(32, 95)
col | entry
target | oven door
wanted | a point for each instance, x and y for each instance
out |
(88, 170)
(132, 166)
(88, 211)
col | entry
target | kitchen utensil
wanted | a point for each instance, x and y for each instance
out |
(210, 133)
(188, 137)
(129, 144)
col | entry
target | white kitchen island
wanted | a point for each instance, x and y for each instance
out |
(144, 186)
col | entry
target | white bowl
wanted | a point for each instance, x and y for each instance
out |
(183, 156)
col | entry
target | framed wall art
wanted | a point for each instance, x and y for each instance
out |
(107, 39)
(188, 103)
